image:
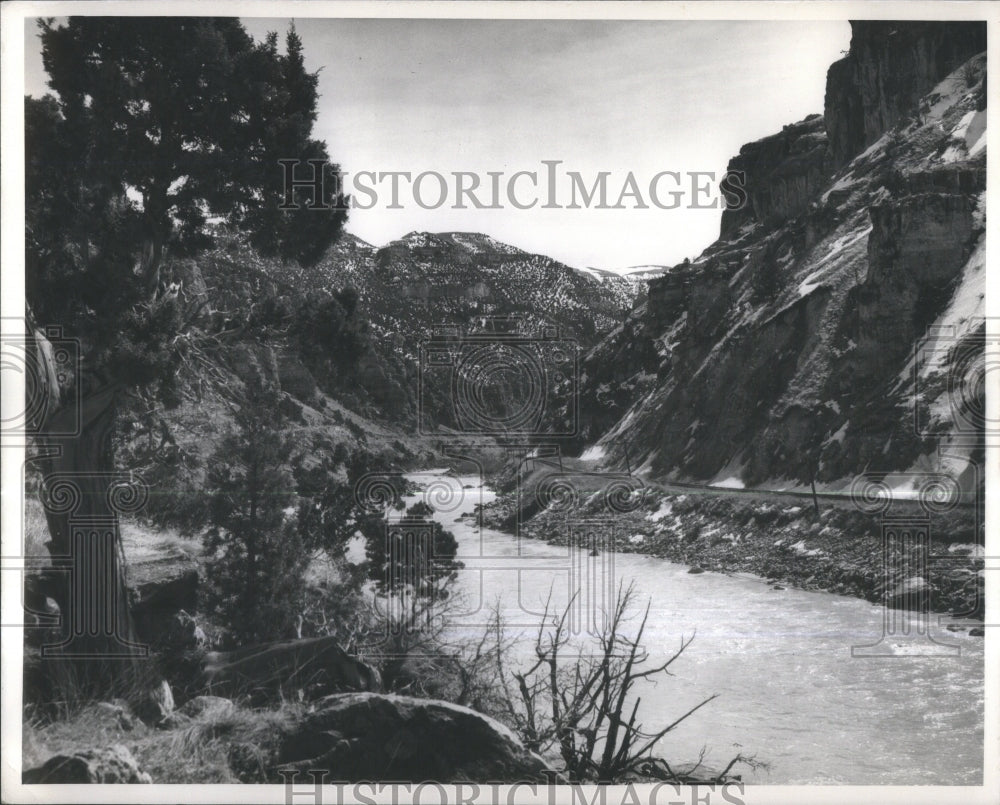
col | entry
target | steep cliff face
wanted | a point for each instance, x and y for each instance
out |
(785, 352)
(783, 174)
(890, 66)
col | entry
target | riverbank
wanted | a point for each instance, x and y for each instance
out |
(838, 550)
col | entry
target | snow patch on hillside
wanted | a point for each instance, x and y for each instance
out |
(666, 509)
(593, 453)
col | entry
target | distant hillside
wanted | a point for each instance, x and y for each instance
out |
(424, 279)
(405, 292)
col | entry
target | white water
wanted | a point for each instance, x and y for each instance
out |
(790, 691)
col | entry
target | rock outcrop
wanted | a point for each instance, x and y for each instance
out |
(162, 587)
(207, 707)
(370, 736)
(917, 247)
(666, 295)
(783, 172)
(315, 665)
(889, 67)
(112, 765)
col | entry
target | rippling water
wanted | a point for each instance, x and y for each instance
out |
(790, 691)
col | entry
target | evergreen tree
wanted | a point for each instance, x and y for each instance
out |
(155, 126)
(256, 554)
(413, 555)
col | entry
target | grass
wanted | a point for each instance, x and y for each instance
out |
(142, 543)
(195, 752)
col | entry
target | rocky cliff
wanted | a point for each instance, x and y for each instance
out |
(785, 352)
(889, 68)
(783, 173)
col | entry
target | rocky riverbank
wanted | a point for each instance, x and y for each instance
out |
(838, 550)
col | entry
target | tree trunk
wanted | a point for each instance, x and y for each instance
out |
(97, 653)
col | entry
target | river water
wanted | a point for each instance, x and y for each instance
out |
(789, 690)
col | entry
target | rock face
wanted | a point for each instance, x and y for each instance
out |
(784, 350)
(665, 299)
(112, 765)
(917, 247)
(890, 66)
(783, 174)
(369, 736)
(161, 589)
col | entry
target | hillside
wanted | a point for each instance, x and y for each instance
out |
(414, 286)
(785, 352)
(424, 279)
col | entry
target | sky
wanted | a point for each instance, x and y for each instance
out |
(501, 96)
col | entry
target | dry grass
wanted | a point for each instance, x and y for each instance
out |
(141, 542)
(197, 752)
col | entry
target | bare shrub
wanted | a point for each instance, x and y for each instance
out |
(588, 708)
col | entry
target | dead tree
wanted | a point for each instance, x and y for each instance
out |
(588, 707)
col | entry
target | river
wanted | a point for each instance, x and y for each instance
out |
(789, 690)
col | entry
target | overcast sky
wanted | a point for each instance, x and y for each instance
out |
(465, 95)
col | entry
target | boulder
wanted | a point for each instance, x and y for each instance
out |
(373, 736)
(161, 588)
(912, 593)
(157, 704)
(112, 765)
(115, 714)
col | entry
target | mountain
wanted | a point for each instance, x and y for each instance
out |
(426, 278)
(785, 352)
(418, 286)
